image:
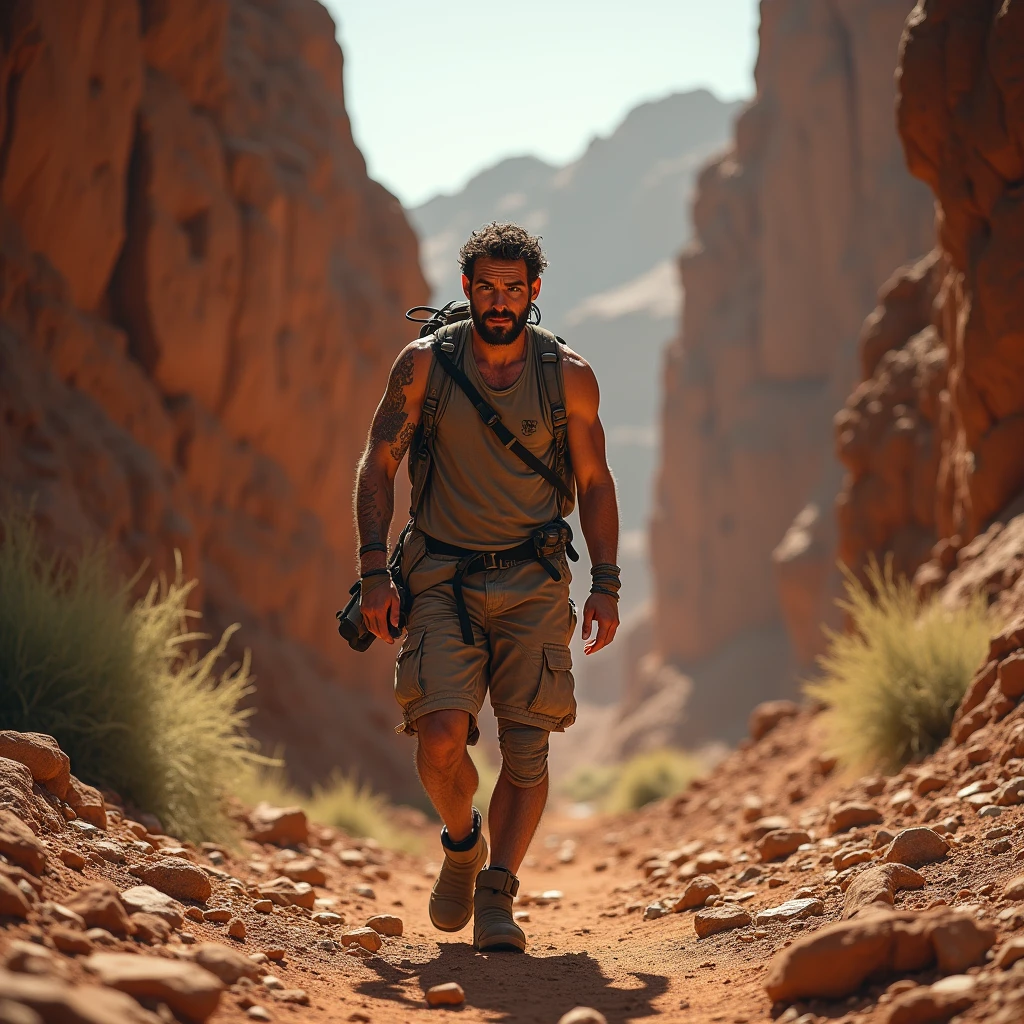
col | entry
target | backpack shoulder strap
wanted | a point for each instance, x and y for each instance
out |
(548, 347)
(492, 420)
(450, 340)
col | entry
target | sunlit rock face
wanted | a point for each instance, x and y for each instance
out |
(200, 296)
(933, 438)
(796, 228)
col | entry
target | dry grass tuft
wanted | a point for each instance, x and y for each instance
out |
(120, 685)
(635, 783)
(894, 681)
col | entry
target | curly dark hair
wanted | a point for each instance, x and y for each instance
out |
(504, 242)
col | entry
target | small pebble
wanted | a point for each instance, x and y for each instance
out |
(236, 928)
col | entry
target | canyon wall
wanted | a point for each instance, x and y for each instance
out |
(200, 297)
(796, 227)
(933, 439)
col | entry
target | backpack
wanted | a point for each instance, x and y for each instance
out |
(449, 328)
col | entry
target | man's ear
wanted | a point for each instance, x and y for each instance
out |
(465, 286)
(535, 290)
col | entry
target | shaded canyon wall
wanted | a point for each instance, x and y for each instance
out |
(933, 439)
(797, 225)
(200, 297)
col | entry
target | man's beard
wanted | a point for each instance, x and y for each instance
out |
(500, 335)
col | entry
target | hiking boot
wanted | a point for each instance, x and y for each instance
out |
(493, 927)
(451, 899)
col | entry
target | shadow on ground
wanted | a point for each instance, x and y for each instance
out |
(519, 987)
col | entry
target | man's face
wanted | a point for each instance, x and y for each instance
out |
(499, 298)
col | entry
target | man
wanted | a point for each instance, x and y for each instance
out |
(490, 606)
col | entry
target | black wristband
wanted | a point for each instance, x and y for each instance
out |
(373, 546)
(595, 589)
(605, 567)
(374, 572)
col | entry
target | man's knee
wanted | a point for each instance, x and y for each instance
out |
(442, 736)
(524, 753)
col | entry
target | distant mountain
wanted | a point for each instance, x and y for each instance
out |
(612, 222)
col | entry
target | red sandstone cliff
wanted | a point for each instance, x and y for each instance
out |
(200, 296)
(797, 225)
(933, 439)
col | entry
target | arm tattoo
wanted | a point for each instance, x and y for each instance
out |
(391, 417)
(401, 446)
(374, 506)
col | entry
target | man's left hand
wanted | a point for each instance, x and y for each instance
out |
(603, 611)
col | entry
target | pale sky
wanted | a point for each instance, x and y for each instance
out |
(437, 90)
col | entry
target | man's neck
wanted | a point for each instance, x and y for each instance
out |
(497, 357)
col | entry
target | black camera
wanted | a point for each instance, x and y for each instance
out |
(352, 628)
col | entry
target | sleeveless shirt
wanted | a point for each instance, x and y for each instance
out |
(480, 495)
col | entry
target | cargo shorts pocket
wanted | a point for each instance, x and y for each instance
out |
(408, 686)
(554, 697)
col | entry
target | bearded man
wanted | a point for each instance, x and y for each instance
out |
(496, 466)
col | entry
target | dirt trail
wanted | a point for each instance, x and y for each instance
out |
(592, 945)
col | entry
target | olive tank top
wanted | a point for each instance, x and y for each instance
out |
(480, 495)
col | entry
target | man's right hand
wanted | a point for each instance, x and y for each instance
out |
(379, 606)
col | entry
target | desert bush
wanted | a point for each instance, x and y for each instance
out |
(894, 680)
(635, 783)
(120, 684)
(342, 802)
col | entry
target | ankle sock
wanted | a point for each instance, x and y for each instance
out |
(469, 842)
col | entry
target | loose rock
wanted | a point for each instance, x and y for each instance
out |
(285, 893)
(13, 902)
(99, 905)
(369, 939)
(54, 1000)
(42, 755)
(936, 1003)
(1010, 953)
(853, 815)
(305, 869)
(879, 885)
(282, 826)
(226, 963)
(18, 843)
(73, 859)
(916, 847)
(719, 919)
(152, 930)
(781, 843)
(175, 877)
(236, 928)
(87, 803)
(145, 899)
(1014, 889)
(187, 989)
(448, 994)
(836, 960)
(70, 941)
(695, 894)
(792, 910)
(386, 924)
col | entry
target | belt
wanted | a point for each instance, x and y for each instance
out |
(471, 561)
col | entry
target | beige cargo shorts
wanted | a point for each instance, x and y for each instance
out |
(522, 623)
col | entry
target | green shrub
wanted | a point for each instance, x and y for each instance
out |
(634, 783)
(894, 681)
(342, 802)
(120, 685)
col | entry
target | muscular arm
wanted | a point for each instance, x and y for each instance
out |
(599, 511)
(391, 433)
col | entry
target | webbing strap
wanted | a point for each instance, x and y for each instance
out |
(491, 419)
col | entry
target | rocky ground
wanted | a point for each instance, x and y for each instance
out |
(777, 887)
